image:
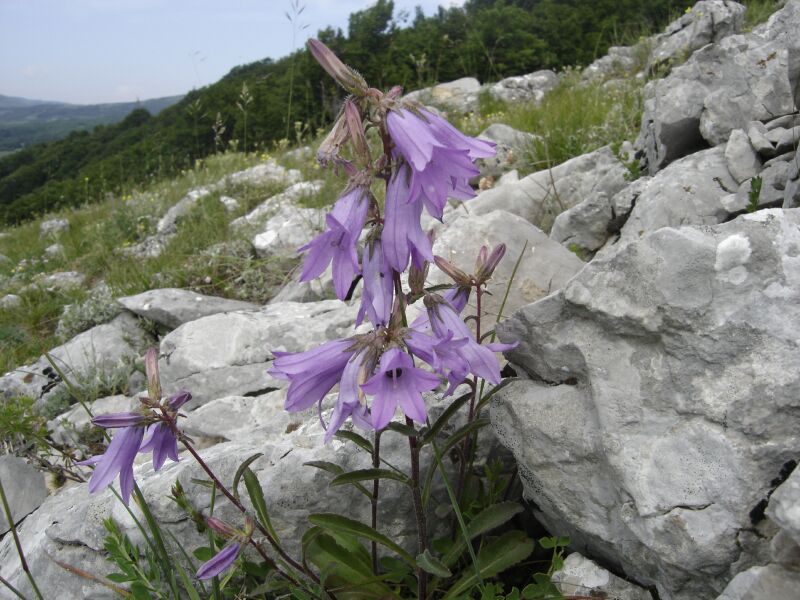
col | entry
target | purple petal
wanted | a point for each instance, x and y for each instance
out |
(224, 559)
(118, 460)
(179, 398)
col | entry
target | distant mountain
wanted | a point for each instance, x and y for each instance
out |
(24, 121)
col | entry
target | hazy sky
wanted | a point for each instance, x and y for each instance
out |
(89, 51)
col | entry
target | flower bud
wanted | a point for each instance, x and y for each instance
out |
(151, 370)
(249, 526)
(178, 399)
(329, 148)
(125, 419)
(220, 527)
(485, 265)
(344, 75)
(395, 92)
(452, 271)
(355, 127)
(417, 276)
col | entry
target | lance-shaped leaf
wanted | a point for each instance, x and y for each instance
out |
(340, 524)
(368, 475)
(430, 564)
(489, 518)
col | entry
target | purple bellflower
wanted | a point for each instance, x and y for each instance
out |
(440, 156)
(377, 297)
(337, 244)
(398, 381)
(402, 231)
(117, 460)
(220, 562)
(351, 400)
(311, 374)
(448, 327)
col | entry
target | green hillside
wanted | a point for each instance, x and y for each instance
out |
(487, 39)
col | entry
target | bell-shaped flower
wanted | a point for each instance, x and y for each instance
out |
(311, 374)
(161, 441)
(351, 400)
(448, 326)
(337, 244)
(440, 156)
(220, 562)
(398, 381)
(117, 460)
(377, 297)
(402, 231)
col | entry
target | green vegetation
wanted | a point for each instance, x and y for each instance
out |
(488, 39)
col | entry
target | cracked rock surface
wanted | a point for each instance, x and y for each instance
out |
(636, 430)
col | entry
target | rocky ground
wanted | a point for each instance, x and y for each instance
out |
(656, 411)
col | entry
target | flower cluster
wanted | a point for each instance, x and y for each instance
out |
(425, 162)
(149, 430)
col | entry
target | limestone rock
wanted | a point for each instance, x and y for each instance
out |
(60, 280)
(457, 97)
(287, 199)
(88, 357)
(664, 399)
(168, 223)
(742, 160)
(541, 196)
(708, 21)
(229, 353)
(172, 307)
(618, 61)
(524, 88)
(722, 87)
(10, 301)
(53, 228)
(230, 204)
(54, 251)
(287, 230)
(784, 506)
(583, 577)
(512, 146)
(24, 487)
(585, 225)
(762, 583)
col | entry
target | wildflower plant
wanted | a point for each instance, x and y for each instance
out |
(391, 367)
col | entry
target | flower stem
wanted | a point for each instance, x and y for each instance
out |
(376, 463)
(13, 527)
(419, 511)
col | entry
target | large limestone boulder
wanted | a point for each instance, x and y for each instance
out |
(585, 578)
(723, 87)
(287, 230)
(539, 197)
(511, 146)
(285, 200)
(663, 400)
(456, 97)
(172, 307)
(229, 353)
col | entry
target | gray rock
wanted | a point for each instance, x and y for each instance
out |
(742, 159)
(60, 280)
(637, 435)
(687, 192)
(763, 583)
(24, 487)
(541, 196)
(173, 307)
(512, 146)
(583, 577)
(585, 225)
(87, 358)
(54, 251)
(317, 289)
(237, 361)
(66, 427)
(784, 506)
(773, 186)
(152, 246)
(10, 301)
(457, 97)
(545, 267)
(53, 228)
(168, 223)
(784, 140)
(791, 196)
(524, 88)
(757, 133)
(722, 87)
(708, 21)
(287, 230)
(230, 204)
(620, 60)
(285, 200)
(266, 173)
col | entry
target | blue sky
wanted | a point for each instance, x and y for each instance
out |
(89, 51)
